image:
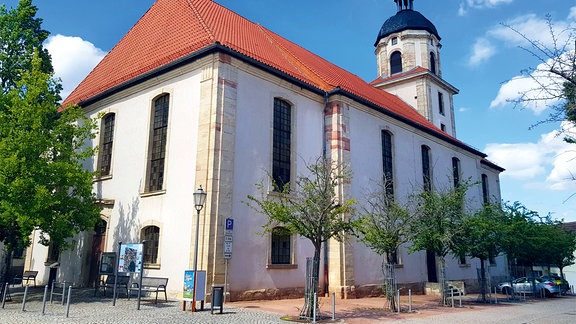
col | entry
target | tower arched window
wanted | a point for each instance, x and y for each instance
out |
(395, 63)
(432, 63)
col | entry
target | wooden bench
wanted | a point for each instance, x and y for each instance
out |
(149, 285)
(27, 276)
(122, 282)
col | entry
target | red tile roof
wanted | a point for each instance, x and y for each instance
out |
(174, 29)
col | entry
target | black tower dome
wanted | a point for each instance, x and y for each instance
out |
(406, 18)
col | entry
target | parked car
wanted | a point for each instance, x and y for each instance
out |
(561, 282)
(524, 285)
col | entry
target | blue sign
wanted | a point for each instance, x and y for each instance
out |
(229, 224)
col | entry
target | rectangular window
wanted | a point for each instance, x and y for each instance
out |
(281, 146)
(443, 127)
(441, 103)
(158, 147)
(106, 141)
(426, 171)
(387, 164)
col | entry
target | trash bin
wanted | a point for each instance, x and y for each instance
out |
(217, 298)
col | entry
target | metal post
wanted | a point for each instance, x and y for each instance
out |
(314, 309)
(140, 283)
(63, 291)
(44, 300)
(4, 295)
(195, 261)
(24, 299)
(51, 290)
(398, 297)
(333, 305)
(116, 273)
(409, 300)
(68, 301)
(225, 282)
(452, 296)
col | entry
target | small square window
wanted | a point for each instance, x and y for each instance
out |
(394, 40)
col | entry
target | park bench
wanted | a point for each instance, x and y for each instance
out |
(151, 285)
(122, 282)
(27, 276)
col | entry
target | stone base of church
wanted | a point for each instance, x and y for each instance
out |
(366, 291)
(341, 292)
(267, 294)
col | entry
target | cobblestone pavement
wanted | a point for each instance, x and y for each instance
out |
(85, 308)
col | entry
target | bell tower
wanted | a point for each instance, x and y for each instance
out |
(409, 66)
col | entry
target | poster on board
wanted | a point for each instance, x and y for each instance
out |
(130, 257)
(189, 285)
(107, 263)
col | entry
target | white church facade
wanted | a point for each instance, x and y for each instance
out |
(195, 94)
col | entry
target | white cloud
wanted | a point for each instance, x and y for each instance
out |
(479, 4)
(481, 52)
(572, 14)
(73, 58)
(538, 90)
(534, 27)
(546, 164)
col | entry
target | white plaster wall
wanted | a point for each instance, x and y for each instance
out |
(252, 162)
(365, 132)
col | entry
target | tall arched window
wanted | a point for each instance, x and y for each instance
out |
(151, 237)
(485, 193)
(388, 164)
(159, 134)
(281, 143)
(426, 170)
(432, 63)
(106, 141)
(395, 63)
(281, 246)
(456, 171)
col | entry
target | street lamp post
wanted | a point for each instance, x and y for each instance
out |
(199, 199)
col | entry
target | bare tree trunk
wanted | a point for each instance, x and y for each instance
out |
(483, 279)
(389, 284)
(311, 289)
(443, 286)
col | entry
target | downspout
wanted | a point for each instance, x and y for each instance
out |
(324, 155)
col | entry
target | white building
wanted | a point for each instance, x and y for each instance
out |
(195, 94)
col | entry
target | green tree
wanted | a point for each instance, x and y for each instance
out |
(21, 35)
(43, 185)
(482, 237)
(311, 208)
(438, 224)
(384, 225)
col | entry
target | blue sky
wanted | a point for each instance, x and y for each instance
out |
(478, 57)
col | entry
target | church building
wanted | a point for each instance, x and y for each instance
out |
(197, 95)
